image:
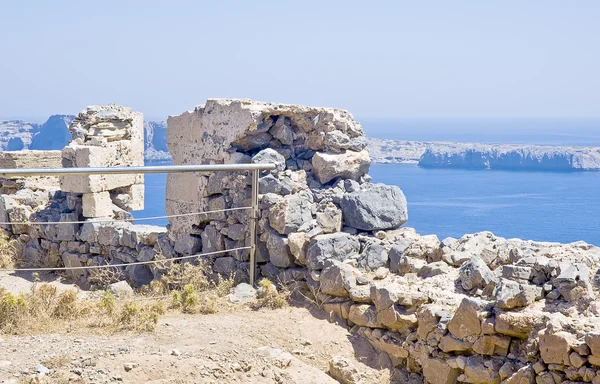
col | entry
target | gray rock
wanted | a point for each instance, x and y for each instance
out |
(375, 207)
(146, 253)
(337, 246)
(73, 260)
(269, 184)
(374, 256)
(330, 219)
(89, 232)
(237, 232)
(475, 274)
(396, 253)
(242, 293)
(409, 264)
(109, 234)
(337, 278)
(289, 214)
(139, 274)
(573, 282)
(510, 294)
(121, 288)
(225, 265)
(67, 231)
(255, 141)
(336, 141)
(433, 269)
(270, 156)
(279, 251)
(212, 241)
(514, 272)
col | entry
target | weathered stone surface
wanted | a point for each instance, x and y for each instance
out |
(396, 253)
(337, 246)
(337, 278)
(510, 294)
(375, 207)
(270, 156)
(97, 204)
(475, 274)
(397, 319)
(555, 347)
(298, 243)
(374, 256)
(465, 321)
(279, 251)
(330, 219)
(348, 165)
(573, 282)
(477, 372)
(364, 315)
(288, 215)
(437, 371)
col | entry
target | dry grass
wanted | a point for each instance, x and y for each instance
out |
(8, 251)
(270, 297)
(185, 287)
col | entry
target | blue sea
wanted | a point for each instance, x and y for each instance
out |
(542, 206)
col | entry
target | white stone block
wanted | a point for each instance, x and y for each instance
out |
(97, 204)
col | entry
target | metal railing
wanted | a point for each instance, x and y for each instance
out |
(254, 211)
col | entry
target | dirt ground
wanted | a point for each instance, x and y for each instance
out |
(235, 345)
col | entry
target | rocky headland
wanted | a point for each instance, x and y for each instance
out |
(485, 156)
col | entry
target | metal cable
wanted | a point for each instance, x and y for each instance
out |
(120, 265)
(121, 220)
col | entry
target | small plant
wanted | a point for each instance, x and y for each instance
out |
(270, 297)
(107, 303)
(8, 251)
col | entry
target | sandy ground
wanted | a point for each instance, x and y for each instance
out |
(226, 347)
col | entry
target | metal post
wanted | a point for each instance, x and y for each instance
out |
(253, 225)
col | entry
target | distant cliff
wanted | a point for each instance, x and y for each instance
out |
(485, 156)
(396, 151)
(513, 157)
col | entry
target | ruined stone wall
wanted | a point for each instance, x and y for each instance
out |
(480, 309)
(110, 136)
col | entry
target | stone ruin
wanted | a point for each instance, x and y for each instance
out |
(111, 136)
(479, 309)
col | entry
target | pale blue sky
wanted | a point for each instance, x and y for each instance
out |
(435, 59)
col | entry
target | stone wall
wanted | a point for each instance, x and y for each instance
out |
(479, 309)
(102, 137)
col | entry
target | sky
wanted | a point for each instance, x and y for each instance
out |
(378, 59)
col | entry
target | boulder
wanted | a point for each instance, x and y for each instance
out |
(375, 207)
(510, 294)
(475, 274)
(338, 278)
(288, 215)
(337, 246)
(555, 347)
(466, 321)
(298, 243)
(279, 251)
(270, 156)
(573, 282)
(347, 165)
(374, 256)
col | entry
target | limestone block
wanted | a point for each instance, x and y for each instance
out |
(555, 347)
(364, 315)
(348, 165)
(437, 371)
(466, 321)
(95, 183)
(137, 195)
(97, 204)
(93, 156)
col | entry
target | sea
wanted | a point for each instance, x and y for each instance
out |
(542, 206)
